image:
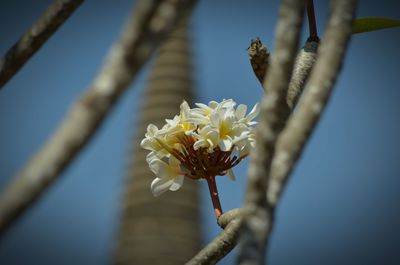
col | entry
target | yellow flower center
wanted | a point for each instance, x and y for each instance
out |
(224, 130)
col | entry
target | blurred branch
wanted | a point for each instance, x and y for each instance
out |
(316, 94)
(35, 37)
(149, 24)
(274, 112)
(224, 242)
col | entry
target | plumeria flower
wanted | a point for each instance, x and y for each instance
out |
(200, 143)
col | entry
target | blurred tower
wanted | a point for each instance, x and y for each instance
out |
(163, 230)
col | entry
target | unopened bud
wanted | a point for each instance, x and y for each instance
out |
(259, 58)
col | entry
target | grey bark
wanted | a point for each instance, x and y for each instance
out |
(224, 242)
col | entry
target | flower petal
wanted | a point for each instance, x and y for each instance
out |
(152, 129)
(147, 144)
(213, 104)
(254, 112)
(168, 170)
(198, 144)
(157, 166)
(213, 136)
(214, 119)
(225, 144)
(152, 156)
(241, 111)
(203, 106)
(231, 175)
(174, 163)
(177, 183)
(160, 185)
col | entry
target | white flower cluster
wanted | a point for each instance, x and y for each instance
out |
(198, 143)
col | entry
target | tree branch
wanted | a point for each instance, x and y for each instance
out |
(274, 112)
(224, 242)
(35, 37)
(150, 23)
(316, 94)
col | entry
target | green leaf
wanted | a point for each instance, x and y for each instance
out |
(366, 24)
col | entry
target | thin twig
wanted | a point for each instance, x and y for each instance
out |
(312, 24)
(35, 37)
(274, 112)
(314, 100)
(150, 23)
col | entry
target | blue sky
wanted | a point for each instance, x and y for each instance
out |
(341, 204)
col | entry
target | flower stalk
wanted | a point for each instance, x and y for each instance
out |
(212, 186)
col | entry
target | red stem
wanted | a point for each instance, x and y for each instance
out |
(312, 24)
(212, 186)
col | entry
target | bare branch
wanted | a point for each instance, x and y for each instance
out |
(316, 94)
(227, 217)
(274, 112)
(150, 23)
(35, 37)
(224, 242)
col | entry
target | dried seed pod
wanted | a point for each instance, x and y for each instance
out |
(259, 58)
(302, 68)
